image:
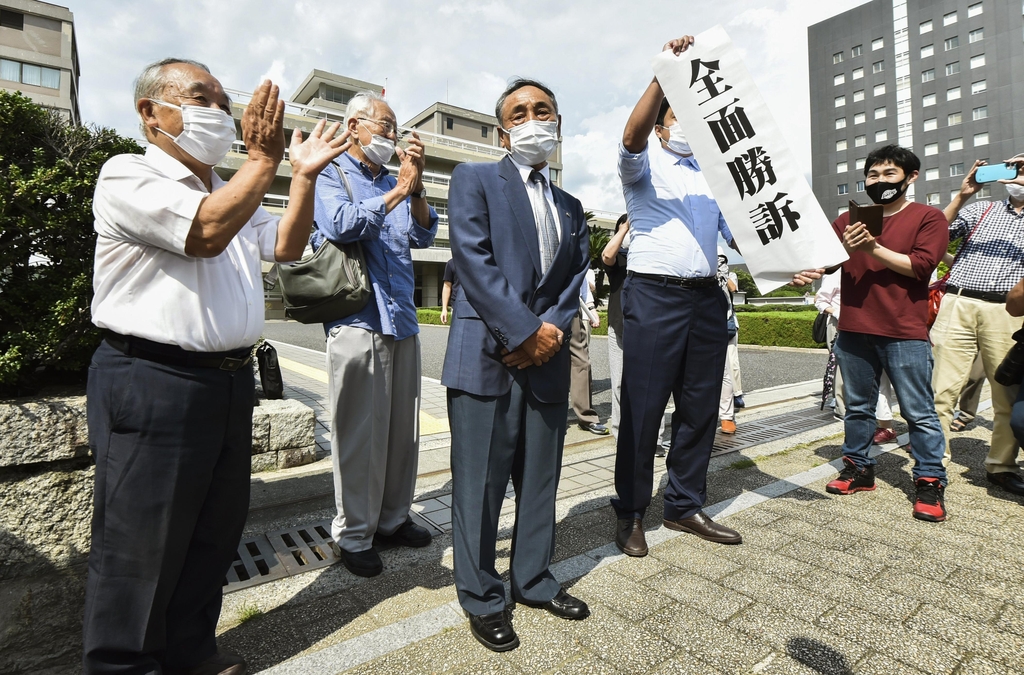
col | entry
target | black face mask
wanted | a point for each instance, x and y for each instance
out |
(886, 193)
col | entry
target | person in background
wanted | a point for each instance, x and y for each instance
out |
(450, 289)
(732, 354)
(613, 257)
(580, 395)
(727, 400)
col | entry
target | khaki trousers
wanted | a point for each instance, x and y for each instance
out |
(963, 328)
(579, 382)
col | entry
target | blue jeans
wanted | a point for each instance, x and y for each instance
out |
(862, 358)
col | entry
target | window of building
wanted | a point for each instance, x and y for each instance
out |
(449, 123)
(978, 87)
(974, 10)
(953, 93)
(926, 27)
(858, 118)
(928, 75)
(842, 209)
(879, 90)
(879, 113)
(956, 170)
(841, 145)
(841, 167)
(953, 119)
(977, 61)
(949, 19)
(927, 100)
(844, 188)
(877, 43)
(927, 51)
(857, 73)
(981, 139)
(976, 35)
(931, 124)
(858, 95)
(984, 193)
(951, 43)
(956, 144)
(979, 113)
(859, 164)
(27, 73)
(881, 135)
(860, 140)
(841, 123)
(483, 130)
(931, 174)
(877, 66)
(860, 186)
(9, 19)
(837, 57)
(856, 51)
(953, 194)
(931, 149)
(839, 79)
(840, 101)
(932, 199)
(952, 68)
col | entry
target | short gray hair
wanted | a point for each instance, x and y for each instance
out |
(363, 104)
(152, 81)
(516, 84)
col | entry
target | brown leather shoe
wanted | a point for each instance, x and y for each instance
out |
(629, 537)
(221, 663)
(705, 528)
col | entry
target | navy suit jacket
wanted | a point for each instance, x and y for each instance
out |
(504, 297)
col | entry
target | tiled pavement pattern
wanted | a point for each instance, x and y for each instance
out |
(821, 584)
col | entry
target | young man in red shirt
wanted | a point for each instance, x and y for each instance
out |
(883, 326)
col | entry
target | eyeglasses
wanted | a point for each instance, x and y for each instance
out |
(388, 126)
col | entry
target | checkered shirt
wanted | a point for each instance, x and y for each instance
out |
(993, 258)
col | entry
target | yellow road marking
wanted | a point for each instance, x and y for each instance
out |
(428, 423)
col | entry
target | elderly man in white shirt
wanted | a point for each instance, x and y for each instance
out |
(178, 294)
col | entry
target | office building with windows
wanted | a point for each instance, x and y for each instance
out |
(942, 77)
(38, 54)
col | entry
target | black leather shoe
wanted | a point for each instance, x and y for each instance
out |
(705, 528)
(362, 563)
(408, 534)
(594, 428)
(221, 663)
(629, 537)
(564, 606)
(1008, 480)
(494, 631)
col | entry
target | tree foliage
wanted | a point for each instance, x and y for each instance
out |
(47, 240)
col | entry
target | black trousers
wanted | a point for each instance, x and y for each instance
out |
(172, 447)
(674, 343)
(493, 439)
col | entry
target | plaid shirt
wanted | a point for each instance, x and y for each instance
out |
(993, 258)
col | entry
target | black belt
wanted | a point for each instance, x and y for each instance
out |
(987, 296)
(172, 355)
(683, 282)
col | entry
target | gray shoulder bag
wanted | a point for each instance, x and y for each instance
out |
(330, 284)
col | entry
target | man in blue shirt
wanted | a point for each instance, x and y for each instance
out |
(373, 356)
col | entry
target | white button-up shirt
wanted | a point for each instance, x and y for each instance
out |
(525, 172)
(145, 285)
(673, 217)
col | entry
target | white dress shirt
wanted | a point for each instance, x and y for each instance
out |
(828, 295)
(525, 172)
(145, 285)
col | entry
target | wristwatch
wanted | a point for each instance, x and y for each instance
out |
(419, 195)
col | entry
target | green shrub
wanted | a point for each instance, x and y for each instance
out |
(47, 241)
(430, 316)
(777, 329)
(775, 308)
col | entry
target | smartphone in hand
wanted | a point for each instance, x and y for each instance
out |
(993, 172)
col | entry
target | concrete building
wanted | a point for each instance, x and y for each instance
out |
(38, 54)
(942, 77)
(451, 135)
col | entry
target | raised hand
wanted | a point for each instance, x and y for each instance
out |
(412, 161)
(310, 157)
(263, 124)
(679, 45)
(969, 185)
(807, 277)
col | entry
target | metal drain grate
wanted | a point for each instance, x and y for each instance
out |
(255, 563)
(770, 429)
(304, 548)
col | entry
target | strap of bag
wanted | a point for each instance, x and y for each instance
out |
(348, 186)
(964, 245)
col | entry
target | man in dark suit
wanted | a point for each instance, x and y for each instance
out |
(521, 246)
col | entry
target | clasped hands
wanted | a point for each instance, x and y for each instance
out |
(537, 349)
(857, 238)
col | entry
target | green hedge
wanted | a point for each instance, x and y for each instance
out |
(775, 308)
(777, 329)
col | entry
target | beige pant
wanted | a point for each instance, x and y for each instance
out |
(732, 360)
(963, 328)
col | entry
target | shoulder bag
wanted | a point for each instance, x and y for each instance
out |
(937, 290)
(330, 284)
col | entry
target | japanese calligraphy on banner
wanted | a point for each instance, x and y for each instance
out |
(776, 221)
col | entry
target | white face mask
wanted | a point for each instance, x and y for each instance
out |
(380, 149)
(206, 133)
(533, 142)
(1016, 191)
(677, 142)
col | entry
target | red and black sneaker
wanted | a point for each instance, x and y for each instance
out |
(851, 479)
(929, 504)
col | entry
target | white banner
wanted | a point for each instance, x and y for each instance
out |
(774, 218)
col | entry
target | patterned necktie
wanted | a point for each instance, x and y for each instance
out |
(545, 221)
